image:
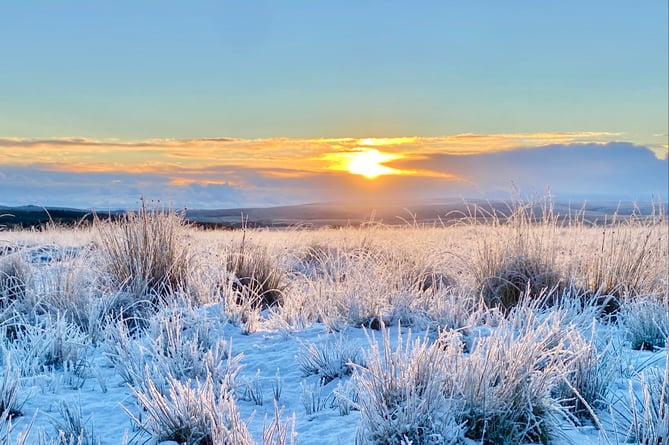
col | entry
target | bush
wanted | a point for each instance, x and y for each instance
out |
(333, 359)
(645, 322)
(47, 343)
(256, 279)
(403, 397)
(506, 381)
(191, 413)
(146, 253)
(14, 276)
(9, 388)
(515, 276)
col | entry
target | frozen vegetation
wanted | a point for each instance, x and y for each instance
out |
(517, 329)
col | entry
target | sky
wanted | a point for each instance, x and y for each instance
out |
(218, 104)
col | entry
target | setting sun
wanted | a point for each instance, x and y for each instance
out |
(369, 163)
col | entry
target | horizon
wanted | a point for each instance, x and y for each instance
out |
(235, 105)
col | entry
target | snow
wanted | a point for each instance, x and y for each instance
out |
(268, 360)
(265, 354)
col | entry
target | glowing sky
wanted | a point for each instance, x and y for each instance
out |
(237, 103)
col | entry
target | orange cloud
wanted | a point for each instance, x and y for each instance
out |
(274, 157)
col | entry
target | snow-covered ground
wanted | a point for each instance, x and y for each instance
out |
(313, 358)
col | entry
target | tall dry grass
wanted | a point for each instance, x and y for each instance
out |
(508, 307)
(146, 253)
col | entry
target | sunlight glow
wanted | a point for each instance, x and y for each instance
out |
(368, 163)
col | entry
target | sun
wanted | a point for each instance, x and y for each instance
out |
(369, 163)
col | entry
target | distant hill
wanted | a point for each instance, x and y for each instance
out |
(36, 217)
(331, 214)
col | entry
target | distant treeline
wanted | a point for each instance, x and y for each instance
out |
(39, 218)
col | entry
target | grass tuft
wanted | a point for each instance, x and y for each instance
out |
(146, 253)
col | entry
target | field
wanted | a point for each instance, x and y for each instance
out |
(521, 328)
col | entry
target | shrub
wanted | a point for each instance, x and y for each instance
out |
(9, 387)
(256, 279)
(403, 395)
(14, 276)
(146, 253)
(192, 413)
(506, 381)
(645, 322)
(515, 276)
(333, 359)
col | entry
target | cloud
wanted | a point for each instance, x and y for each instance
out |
(229, 172)
(612, 169)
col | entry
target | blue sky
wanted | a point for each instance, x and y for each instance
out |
(146, 73)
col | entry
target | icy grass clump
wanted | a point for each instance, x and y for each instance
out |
(10, 406)
(72, 428)
(330, 360)
(644, 416)
(146, 253)
(403, 394)
(177, 344)
(256, 278)
(14, 277)
(192, 412)
(506, 382)
(645, 322)
(48, 343)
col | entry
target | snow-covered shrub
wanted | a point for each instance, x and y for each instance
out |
(588, 377)
(10, 406)
(48, 343)
(192, 412)
(506, 381)
(256, 278)
(627, 257)
(14, 277)
(176, 344)
(645, 322)
(329, 360)
(146, 253)
(404, 394)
